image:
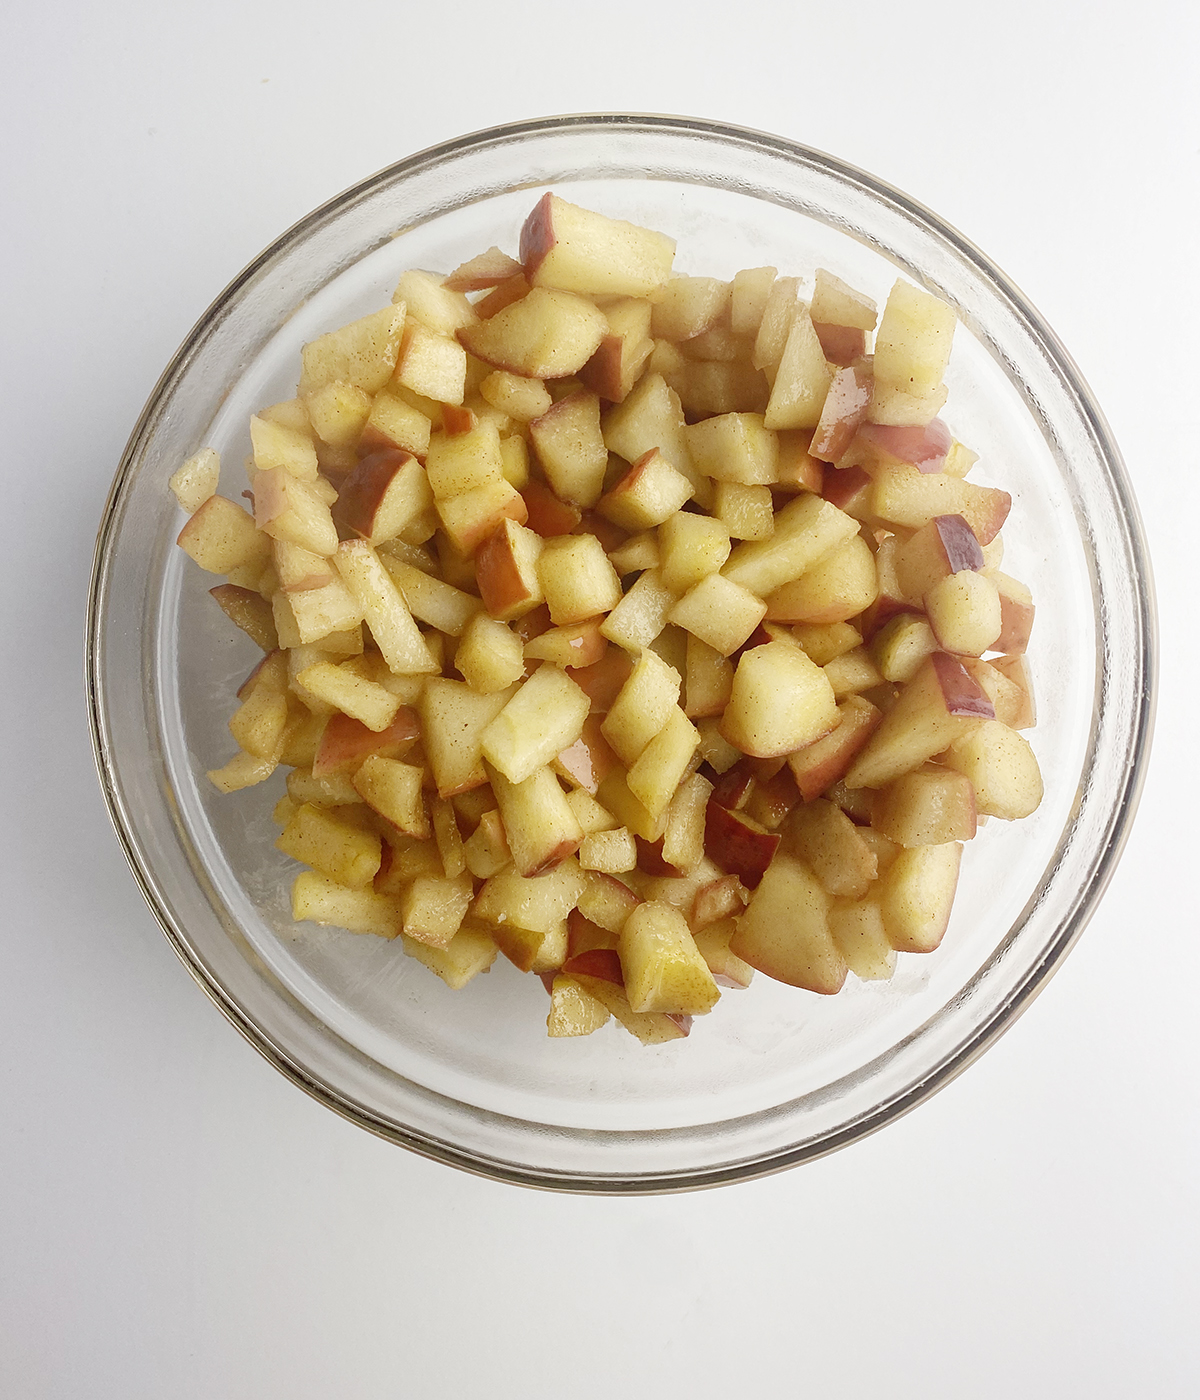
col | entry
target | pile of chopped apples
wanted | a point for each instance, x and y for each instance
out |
(629, 624)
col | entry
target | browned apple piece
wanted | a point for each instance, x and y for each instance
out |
(603, 681)
(927, 808)
(346, 742)
(248, 610)
(738, 845)
(841, 345)
(548, 515)
(506, 571)
(731, 789)
(382, 494)
(925, 447)
(843, 413)
(1016, 615)
(916, 894)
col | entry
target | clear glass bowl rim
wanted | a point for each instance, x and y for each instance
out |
(1122, 805)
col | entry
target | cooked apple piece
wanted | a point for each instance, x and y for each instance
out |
(836, 588)
(589, 760)
(663, 764)
(876, 446)
(708, 679)
(431, 364)
(463, 461)
(540, 826)
(652, 416)
(606, 902)
(544, 716)
(322, 901)
(548, 334)
(734, 447)
(1016, 614)
(940, 704)
(821, 764)
(338, 412)
(916, 895)
(803, 379)
(345, 742)
(899, 647)
(746, 512)
(534, 906)
(300, 570)
(837, 303)
(468, 953)
(775, 323)
(453, 718)
(748, 295)
(384, 609)
(193, 483)
(861, 938)
(828, 842)
(221, 537)
(393, 789)
(361, 699)
(589, 813)
(1007, 696)
(548, 516)
(393, 422)
(650, 1027)
(662, 968)
(612, 852)
(577, 580)
(737, 844)
(521, 398)
(843, 413)
(570, 448)
(1002, 769)
(785, 931)
(577, 250)
(906, 497)
(347, 853)
(851, 673)
(689, 547)
(319, 616)
(927, 808)
(362, 353)
(572, 1010)
(485, 270)
(290, 509)
(687, 306)
(712, 943)
(947, 545)
(248, 610)
(719, 612)
(717, 901)
(578, 646)
(434, 302)
(259, 723)
(1016, 670)
(448, 609)
(641, 615)
(806, 529)
(628, 810)
(507, 573)
(642, 707)
(486, 851)
(330, 790)
(780, 701)
(964, 613)
(622, 355)
(893, 405)
(912, 345)
(772, 798)
(434, 908)
(650, 492)
(489, 656)
(472, 517)
(684, 834)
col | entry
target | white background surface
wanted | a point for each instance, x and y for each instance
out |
(176, 1220)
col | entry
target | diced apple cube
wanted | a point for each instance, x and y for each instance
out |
(572, 1010)
(577, 579)
(578, 250)
(912, 346)
(642, 707)
(544, 716)
(468, 953)
(540, 826)
(506, 568)
(453, 718)
(785, 932)
(806, 529)
(861, 938)
(221, 537)
(363, 353)
(641, 614)
(662, 968)
(916, 895)
(650, 492)
(384, 609)
(194, 482)
(964, 613)
(346, 853)
(1002, 769)
(802, 380)
(570, 448)
(780, 701)
(548, 334)
(719, 612)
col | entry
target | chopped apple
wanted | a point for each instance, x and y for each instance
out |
(734, 447)
(576, 250)
(544, 716)
(662, 968)
(194, 482)
(843, 413)
(1002, 769)
(737, 844)
(363, 353)
(248, 610)
(577, 580)
(571, 449)
(927, 808)
(916, 895)
(785, 932)
(453, 718)
(1016, 614)
(468, 953)
(836, 588)
(540, 826)
(780, 701)
(547, 334)
(221, 537)
(572, 1010)
(806, 529)
(912, 346)
(861, 938)
(828, 842)
(642, 707)
(650, 492)
(340, 849)
(384, 609)
(802, 380)
(507, 572)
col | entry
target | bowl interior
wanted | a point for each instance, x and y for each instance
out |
(774, 1073)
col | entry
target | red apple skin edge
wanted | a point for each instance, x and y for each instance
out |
(734, 845)
(962, 549)
(962, 692)
(537, 236)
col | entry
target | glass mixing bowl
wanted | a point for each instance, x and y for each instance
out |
(776, 1076)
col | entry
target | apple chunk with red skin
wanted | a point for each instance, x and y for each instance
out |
(879, 444)
(941, 703)
(382, 494)
(737, 844)
(844, 413)
(785, 931)
(577, 250)
(346, 742)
